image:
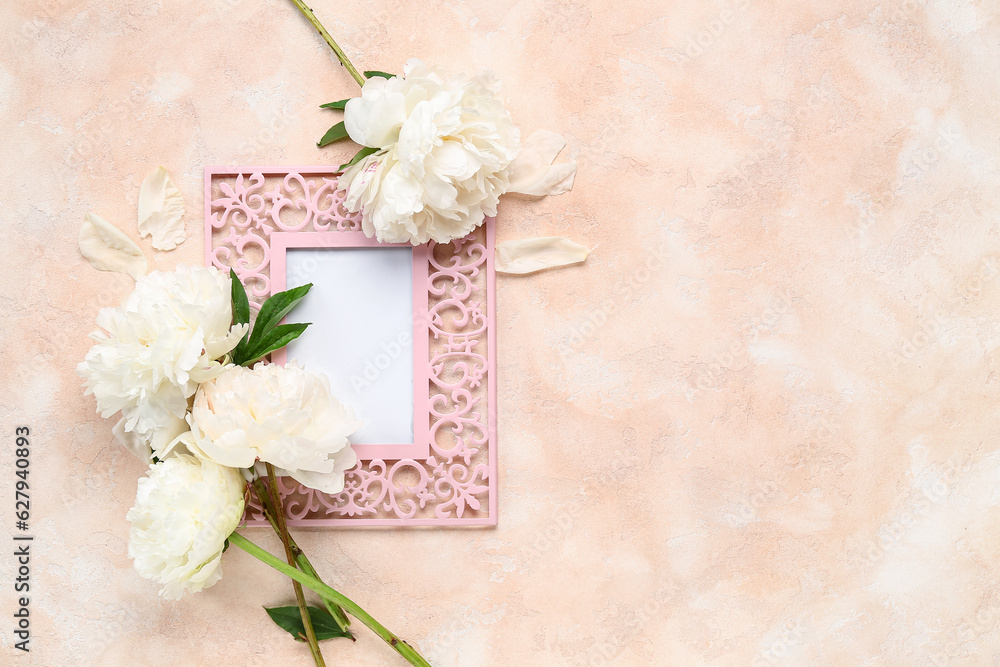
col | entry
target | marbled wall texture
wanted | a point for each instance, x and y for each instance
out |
(758, 427)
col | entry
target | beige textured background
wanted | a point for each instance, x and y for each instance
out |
(758, 427)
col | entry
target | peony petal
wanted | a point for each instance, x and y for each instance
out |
(109, 249)
(530, 255)
(330, 483)
(161, 209)
(532, 172)
(137, 445)
(214, 349)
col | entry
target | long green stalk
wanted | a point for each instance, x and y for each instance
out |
(300, 557)
(341, 56)
(300, 598)
(326, 592)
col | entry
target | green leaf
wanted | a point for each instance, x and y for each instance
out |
(335, 133)
(276, 307)
(290, 620)
(241, 305)
(241, 314)
(339, 104)
(358, 157)
(374, 72)
(275, 339)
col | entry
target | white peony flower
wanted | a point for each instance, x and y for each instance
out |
(185, 509)
(283, 415)
(445, 146)
(159, 346)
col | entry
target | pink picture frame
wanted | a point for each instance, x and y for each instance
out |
(447, 475)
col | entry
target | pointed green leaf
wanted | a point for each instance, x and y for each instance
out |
(290, 620)
(339, 104)
(241, 304)
(276, 307)
(335, 133)
(275, 339)
(374, 72)
(241, 314)
(279, 336)
(358, 157)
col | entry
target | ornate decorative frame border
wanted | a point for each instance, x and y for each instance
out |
(456, 485)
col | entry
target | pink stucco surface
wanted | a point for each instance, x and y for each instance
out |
(757, 427)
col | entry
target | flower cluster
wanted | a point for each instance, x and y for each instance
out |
(164, 359)
(182, 365)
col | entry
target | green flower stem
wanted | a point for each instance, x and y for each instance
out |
(300, 557)
(341, 56)
(338, 614)
(300, 598)
(326, 592)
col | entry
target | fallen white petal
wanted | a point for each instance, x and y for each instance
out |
(532, 172)
(530, 255)
(109, 249)
(161, 211)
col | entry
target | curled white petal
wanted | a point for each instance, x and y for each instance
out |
(532, 172)
(159, 441)
(136, 445)
(107, 248)
(530, 255)
(161, 211)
